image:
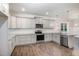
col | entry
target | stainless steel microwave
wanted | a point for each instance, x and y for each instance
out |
(39, 25)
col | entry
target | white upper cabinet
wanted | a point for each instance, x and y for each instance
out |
(19, 22)
(48, 23)
(32, 23)
(4, 9)
(12, 22)
(25, 23)
(39, 21)
(0, 6)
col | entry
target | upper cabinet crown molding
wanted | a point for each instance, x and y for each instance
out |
(4, 9)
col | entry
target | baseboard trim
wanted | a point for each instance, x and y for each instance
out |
(13, 51)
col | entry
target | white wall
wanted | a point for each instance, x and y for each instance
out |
(3, 38)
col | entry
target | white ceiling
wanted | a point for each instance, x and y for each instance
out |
(53, 9)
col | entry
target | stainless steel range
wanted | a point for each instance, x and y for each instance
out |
(39, 35)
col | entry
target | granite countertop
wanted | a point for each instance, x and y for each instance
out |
(14, 33)
(33, 32)
(67, 33)
(18, 33)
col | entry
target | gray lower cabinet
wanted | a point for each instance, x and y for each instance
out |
(25, 39)
(64, 40)
(67, 40)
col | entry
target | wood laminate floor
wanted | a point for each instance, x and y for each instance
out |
(42, 49)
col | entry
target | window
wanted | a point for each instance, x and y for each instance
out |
(63, 26)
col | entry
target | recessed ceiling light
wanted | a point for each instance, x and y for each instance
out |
(23, 9)
(47, 13)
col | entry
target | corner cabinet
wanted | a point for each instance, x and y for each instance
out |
(4, 9)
